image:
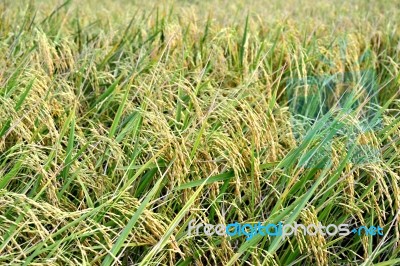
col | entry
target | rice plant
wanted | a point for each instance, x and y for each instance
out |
(122, 121)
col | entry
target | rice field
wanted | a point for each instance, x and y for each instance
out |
(122, 121)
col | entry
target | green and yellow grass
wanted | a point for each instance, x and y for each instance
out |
(121, 122)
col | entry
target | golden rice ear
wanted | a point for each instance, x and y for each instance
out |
(313, 244)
